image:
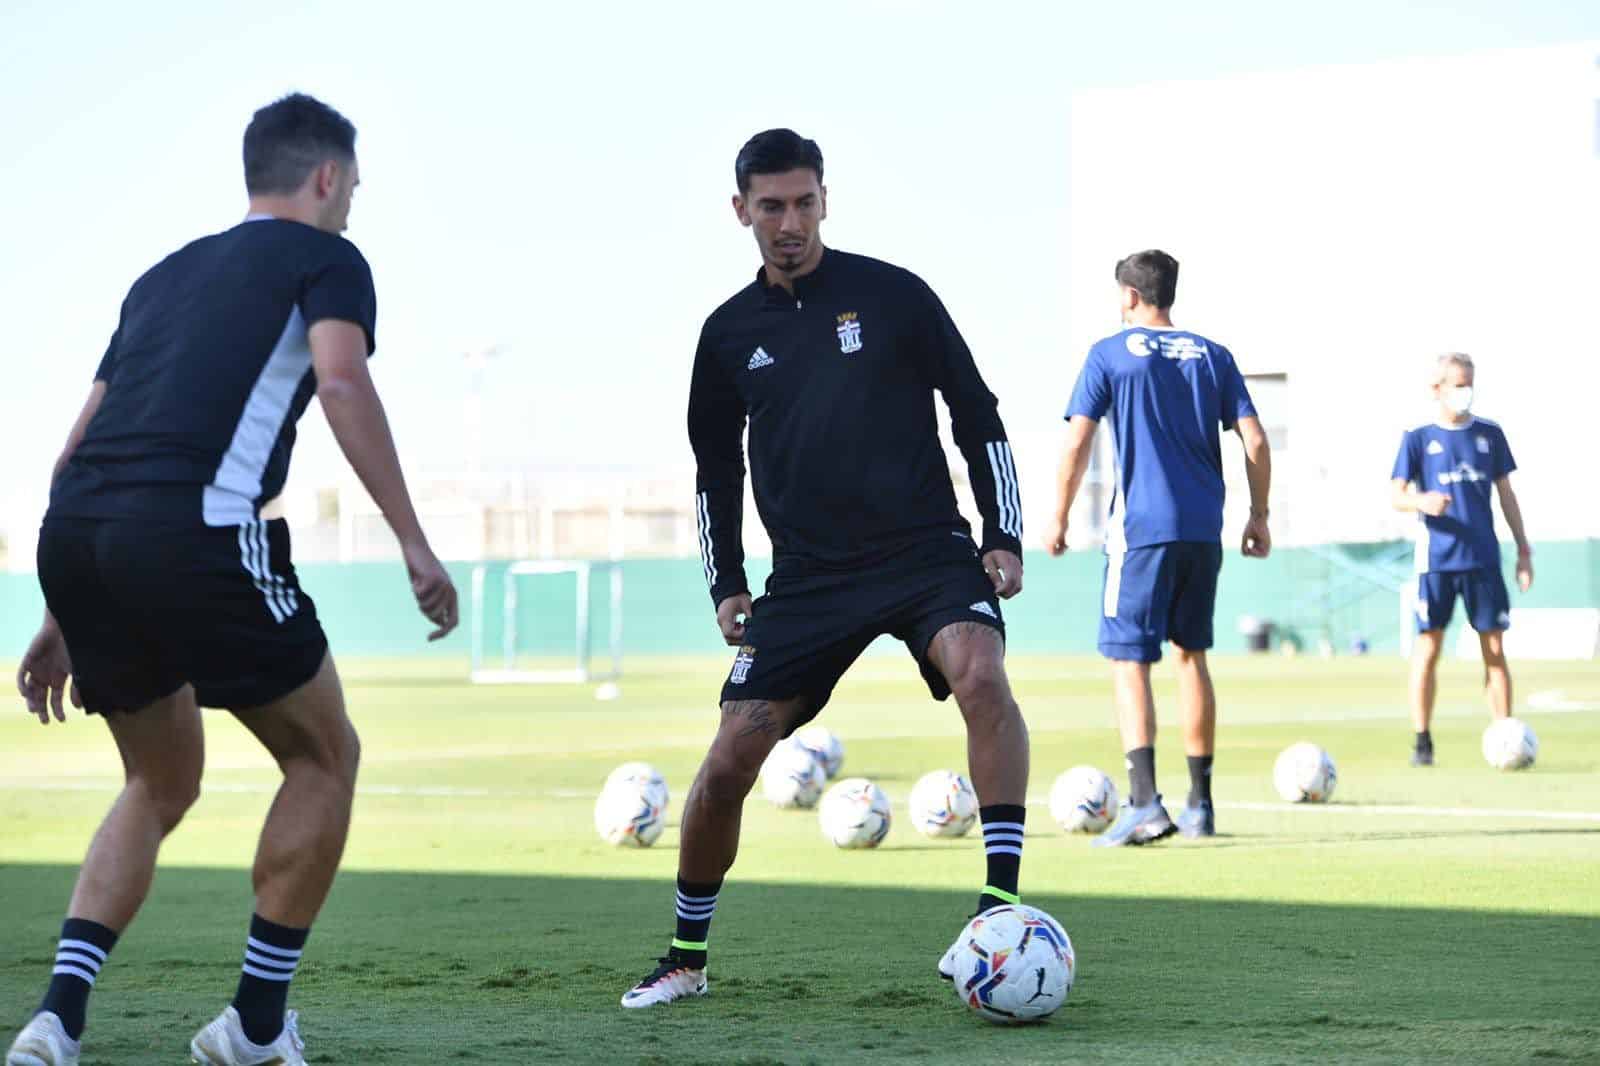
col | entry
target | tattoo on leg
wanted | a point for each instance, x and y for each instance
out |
(757, 714)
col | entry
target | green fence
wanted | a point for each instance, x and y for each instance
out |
(367, 608)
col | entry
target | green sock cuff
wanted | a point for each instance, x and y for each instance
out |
(1000, 894)
(688, 945)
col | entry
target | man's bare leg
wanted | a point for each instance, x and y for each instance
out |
(1496, 674)
(163, 752)
(971, 656)
(1197, 700)
(1424, 686)
(310, 736)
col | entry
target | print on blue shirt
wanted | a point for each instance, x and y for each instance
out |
(1463, 462)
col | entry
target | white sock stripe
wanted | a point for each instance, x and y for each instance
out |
(1010, 834)
(74, 958)
(73, 971)
(1008, 827)
(996, 845)
(1004, 851)
(685, 911)
(252, 944)
(83, 946)
(266, 976)
(263, 959)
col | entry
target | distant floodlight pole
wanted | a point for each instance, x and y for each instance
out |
(477, 360)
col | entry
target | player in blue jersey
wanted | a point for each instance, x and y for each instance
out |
(1169, 393)
(1443, 473)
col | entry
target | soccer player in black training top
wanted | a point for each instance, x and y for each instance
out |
(833, 360)
(166, 590)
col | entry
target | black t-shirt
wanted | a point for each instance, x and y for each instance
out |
(836, 382)
(208, 372)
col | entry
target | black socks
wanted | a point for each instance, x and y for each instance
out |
(80, 953)
(1141, 764)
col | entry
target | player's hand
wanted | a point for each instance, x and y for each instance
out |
(1257, 541)
(1433, 504)
(1525, 569)
(46, 673)
(431, 585)
(1055, 537)
(1005, 571)
(731, 614)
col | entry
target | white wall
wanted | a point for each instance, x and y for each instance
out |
(1345, 224)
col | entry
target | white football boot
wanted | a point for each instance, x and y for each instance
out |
(671, 980)
(223, 1043)
(947, 964)
(43, 1042)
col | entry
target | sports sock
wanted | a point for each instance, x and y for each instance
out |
(696, 904)
(271, 955)
(1425, 740)
(1199, 779)
(80, 953)
(1002, 849)
(1141, 776)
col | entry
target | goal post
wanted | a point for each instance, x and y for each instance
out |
(512, 667)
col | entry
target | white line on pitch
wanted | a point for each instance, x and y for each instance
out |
(1554, 701)
(1423, 812)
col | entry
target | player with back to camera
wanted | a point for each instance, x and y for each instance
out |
(833, 360)
(166, 590)
(1168, 392)
(1444, 473)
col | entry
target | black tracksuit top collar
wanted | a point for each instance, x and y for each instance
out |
(805, 286)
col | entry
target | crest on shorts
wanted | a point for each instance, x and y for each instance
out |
(741, 665)
(849, 331)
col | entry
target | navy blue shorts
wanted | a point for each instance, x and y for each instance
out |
(1483, 590)
(1158, 593)
(808, 629)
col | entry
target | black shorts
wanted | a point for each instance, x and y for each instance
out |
(148, 608)
(807, 630)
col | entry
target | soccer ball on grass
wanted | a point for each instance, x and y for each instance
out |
(943, 804)
(855, 814)
(1014, 964)
(1304, 773)
(1509, 744)
(1083, 800)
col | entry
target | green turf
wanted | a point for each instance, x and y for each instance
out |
(479, 919)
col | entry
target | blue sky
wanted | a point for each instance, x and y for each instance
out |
(553, 178)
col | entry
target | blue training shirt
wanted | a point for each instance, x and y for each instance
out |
(1170, 393)
(1463, 462)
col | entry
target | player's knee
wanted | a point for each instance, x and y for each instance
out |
(168, 796)
(984, 693)
(726, 780)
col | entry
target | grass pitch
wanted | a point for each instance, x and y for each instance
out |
(1439, 915)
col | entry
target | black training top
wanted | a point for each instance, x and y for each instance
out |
(207, 373)
(837, 383)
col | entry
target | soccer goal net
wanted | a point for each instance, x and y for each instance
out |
(539, 622)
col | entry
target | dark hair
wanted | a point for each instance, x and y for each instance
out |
(775, 152)
(289, 138)
(1154, 274)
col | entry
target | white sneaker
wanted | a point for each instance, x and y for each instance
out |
(947, 964)
(671, 980)
(43, 1042)
(223, 1043)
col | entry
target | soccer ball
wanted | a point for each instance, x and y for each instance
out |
(791, 777)
(1509, 744)
(855, 814)
(943, 804)
(1014, 964)
(826, 748)
(641, 775)
(1083, 800)
(1304, 773)
(632, 807)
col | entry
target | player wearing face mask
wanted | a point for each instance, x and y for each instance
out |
(1444, 473)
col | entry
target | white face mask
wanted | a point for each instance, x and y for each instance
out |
(1458, 398)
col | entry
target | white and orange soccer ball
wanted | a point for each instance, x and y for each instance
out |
(943, 804)
(631, 810)
(855, 814)
(1304, 773)
(1510, 744)
(1014, 964)
(791, 776)
(1083, 800)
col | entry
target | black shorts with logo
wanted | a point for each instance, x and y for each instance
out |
(806, 631)
(147, 608)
